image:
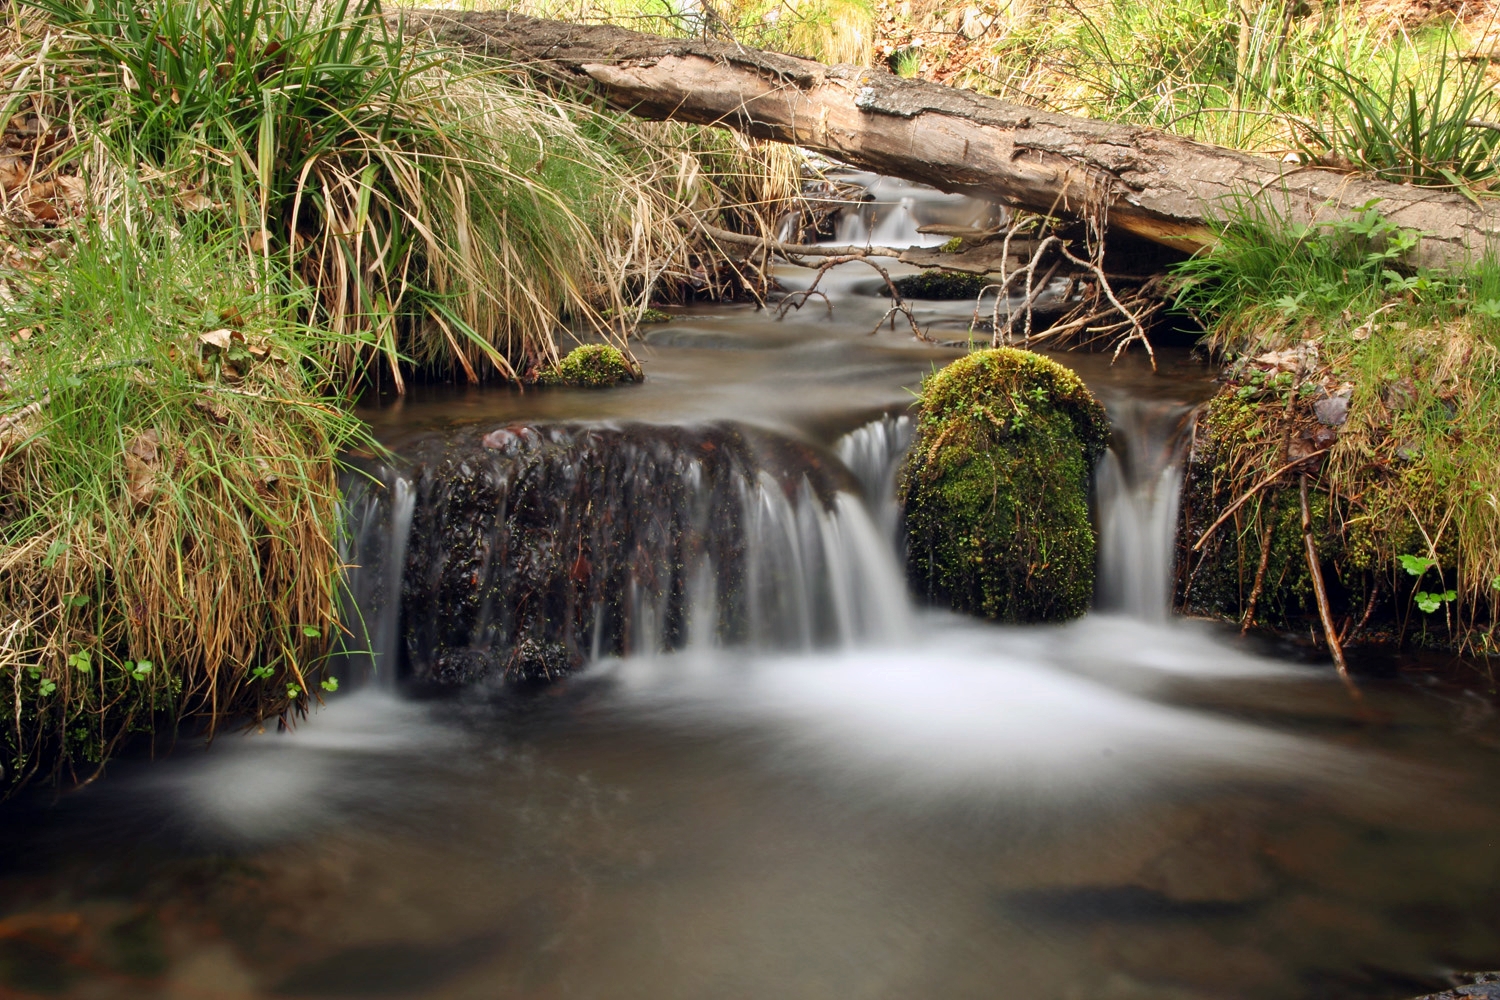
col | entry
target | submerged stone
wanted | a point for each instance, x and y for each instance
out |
(995, 488)
(940, 284)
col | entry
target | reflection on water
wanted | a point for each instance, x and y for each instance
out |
(1122, 807)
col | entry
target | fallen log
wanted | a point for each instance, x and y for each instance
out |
(1139, 180)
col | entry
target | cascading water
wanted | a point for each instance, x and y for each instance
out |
(873, 453)
(1137, 487)
(895, 211)
(378, 505)
(527, 550)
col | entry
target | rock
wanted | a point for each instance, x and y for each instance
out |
(531, 547)
(1398, 395)
(995, 488)
(939, 284)
(1481, 986)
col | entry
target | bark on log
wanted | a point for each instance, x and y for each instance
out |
(1158, 186)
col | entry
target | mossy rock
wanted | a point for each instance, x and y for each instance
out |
(995, 488)
(593, 366)
(939, 284)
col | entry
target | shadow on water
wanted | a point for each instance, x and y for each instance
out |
(864, 800)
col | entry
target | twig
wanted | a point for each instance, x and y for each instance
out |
(1314, 568)
(1138, 331)
(1245, 497)
(792, 301)
(1260, 574)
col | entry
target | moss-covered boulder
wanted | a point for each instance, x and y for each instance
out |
(940, 284)
(594, 366)
(995, 488)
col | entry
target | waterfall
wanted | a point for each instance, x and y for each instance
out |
(1137, 487)
(873, 453)
(378, 506)
(527, 550)
(894, 211)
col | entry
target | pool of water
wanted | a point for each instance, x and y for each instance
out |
(1122, 807)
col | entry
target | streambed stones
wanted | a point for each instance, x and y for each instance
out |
(995, 488)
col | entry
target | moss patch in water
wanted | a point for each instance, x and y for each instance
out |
(593, 366)
(995, 488)
(939, 284)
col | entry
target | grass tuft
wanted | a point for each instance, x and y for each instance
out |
(168, 498)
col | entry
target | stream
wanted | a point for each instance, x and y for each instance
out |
(774, 775)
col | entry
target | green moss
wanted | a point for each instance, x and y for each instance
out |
(995, 489)
(952, 246)
(647, 315)
(940, 284)
(593, 366)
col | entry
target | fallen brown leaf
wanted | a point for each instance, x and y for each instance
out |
(141, 459)
(217, 339)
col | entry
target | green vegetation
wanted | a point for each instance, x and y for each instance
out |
(832, 31)
(168, 503)
(226, 220)
(1390, 379)
(445, 213)
(995, 487)
(594, 366)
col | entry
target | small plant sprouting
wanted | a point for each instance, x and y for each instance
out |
(44, 685)
(1417, 565)
(139, 669)
(81, 661)
(311, 632)
(262, 673)
(329, 684)
(294, 691)
(1430, 602)
(1427, 601)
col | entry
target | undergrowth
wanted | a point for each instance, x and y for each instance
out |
(1381, 381)
(168, 499)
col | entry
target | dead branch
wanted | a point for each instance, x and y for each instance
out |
(1321, 593)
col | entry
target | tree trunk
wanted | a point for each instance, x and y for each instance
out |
(1158, 186)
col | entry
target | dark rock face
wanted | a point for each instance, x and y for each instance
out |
(533, 547)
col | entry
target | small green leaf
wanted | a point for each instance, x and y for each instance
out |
(262, 673)
(1431, 602)
(330, 684)
(81, 661)
(141, 669)
(57, 548)
(46, 687)
(78, 600)
(312, 633)
(293, 691)
(1417, 565)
